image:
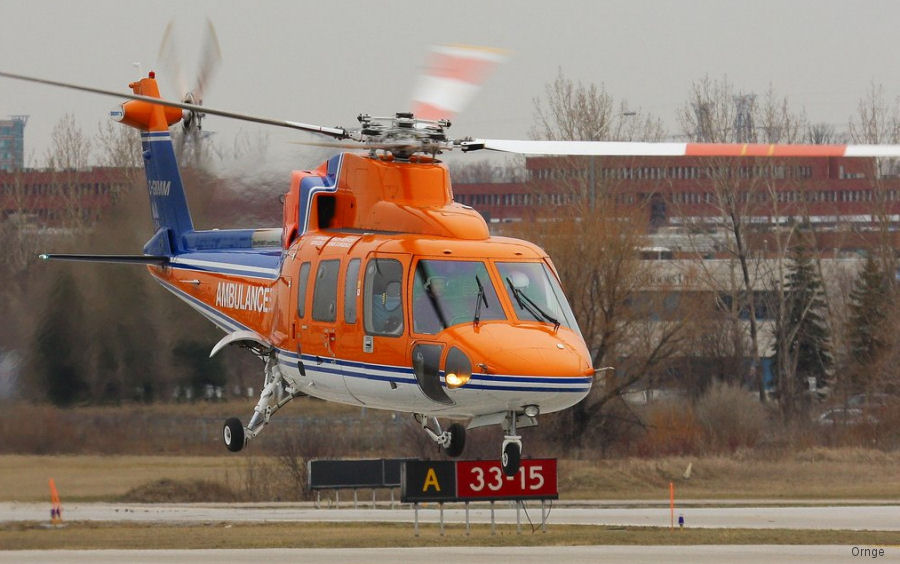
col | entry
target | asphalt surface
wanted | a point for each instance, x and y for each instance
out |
(852, 517)
(466, 555)
(883, 515)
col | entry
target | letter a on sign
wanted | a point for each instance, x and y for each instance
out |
(431, 480)
(428, 480)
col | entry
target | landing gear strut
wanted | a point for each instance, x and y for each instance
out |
(453, 440)
(276, 392)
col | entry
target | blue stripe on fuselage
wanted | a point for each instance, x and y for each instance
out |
(312, 185)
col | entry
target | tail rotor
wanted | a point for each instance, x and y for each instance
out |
(188, 144)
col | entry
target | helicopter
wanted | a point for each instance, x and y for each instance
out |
(378, 290)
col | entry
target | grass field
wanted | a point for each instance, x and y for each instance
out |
(818, 473)
(81, 535)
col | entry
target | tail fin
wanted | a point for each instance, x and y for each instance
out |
(168, 204)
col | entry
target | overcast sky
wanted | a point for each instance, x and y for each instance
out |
(326, 61)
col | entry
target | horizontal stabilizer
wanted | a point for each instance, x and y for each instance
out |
(129, 259)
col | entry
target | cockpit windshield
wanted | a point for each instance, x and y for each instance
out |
(535, 294)
(446, 293)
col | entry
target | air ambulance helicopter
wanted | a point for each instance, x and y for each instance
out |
(378, 289)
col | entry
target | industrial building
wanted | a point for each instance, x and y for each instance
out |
(832, 195)
(12, 143)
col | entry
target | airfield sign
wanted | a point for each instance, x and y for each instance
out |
(469, 480)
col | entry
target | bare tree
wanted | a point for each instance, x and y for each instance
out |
(716, 112)
(572, 111)
(118, 147)
(594, 233)
(878, 121)
(821, 134)
(70, 147)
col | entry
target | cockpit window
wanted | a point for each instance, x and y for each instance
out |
(446, 293)
(535, 294)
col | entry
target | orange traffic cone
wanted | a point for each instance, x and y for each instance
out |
(55, 507)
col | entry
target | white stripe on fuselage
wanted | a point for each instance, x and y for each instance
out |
(223, 265)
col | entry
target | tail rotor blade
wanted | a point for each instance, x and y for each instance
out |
(169, 61)
(209, 62)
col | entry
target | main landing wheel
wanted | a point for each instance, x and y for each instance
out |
(457, 440)
(233, 433)
(511, 458)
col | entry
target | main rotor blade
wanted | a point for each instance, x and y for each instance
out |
(640, 149)
(453, 76)
(336, 132)
(411, 145)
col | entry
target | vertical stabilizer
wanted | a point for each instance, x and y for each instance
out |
(168, 204)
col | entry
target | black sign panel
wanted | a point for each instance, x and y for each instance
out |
(392, 472)
(425, 480)
(346, 474)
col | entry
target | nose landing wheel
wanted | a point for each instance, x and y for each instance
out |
(511, 455)
(511, 449)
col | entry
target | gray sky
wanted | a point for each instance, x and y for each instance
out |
(326, 61)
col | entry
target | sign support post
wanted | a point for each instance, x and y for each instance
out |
(467, 518)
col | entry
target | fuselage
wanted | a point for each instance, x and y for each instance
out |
(375, 307)
(320, 310)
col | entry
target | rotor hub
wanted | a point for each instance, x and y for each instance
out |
(403, 135)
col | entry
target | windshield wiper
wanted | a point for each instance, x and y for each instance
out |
(479, 299)
(433, 301)
(527, 304)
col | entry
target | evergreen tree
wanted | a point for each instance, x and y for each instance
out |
(802, 347)
(58, 353)
(871, 300)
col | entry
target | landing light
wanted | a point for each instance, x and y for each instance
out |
(457, 369)
(532, 410)
(456, 380)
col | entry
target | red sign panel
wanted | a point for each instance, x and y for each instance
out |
(484, 479)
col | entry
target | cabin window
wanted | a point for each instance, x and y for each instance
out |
(302, 280)
(535, 293)
(325, 294)
(447, 292)
(383, 297)
(351, 291)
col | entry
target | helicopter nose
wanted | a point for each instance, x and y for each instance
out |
(516, 360)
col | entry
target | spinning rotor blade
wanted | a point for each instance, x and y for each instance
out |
(453, 76)
(209, 62)
(638, 149)
(336, 132)
(411, 146)
(169, 60)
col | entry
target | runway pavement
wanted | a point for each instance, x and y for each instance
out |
(885, 517)
(737, 554)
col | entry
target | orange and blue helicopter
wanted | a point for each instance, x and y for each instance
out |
(378, 289)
